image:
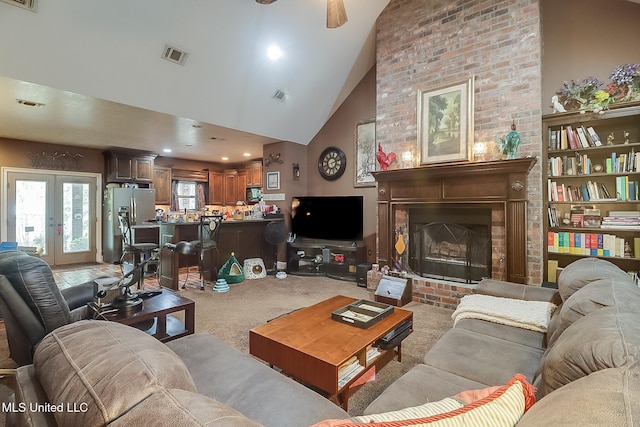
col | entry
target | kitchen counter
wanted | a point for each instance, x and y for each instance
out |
(245, 238)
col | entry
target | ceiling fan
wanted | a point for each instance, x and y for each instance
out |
(336, 13)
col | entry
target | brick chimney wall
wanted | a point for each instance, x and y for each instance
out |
(429, 44)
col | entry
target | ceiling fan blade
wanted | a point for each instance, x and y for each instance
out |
(336, 13)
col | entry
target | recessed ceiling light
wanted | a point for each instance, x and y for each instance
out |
(274, 52)
(167, 150)
(225, 158)
(247, 154)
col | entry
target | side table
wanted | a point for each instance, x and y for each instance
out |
(157, 308)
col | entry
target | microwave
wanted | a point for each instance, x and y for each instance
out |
(254, 194)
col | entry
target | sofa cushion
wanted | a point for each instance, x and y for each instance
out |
(500, 407)
(481, 358)
(607, 338)
(584, 271)
(592, 297)
(420, 384)
(106, 366)
(610, 397)
(240, 381)
(174, 407)
(517, 335)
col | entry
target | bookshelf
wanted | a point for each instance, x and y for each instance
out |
(591, 188)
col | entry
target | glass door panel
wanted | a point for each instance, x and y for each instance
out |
(55, 214)
(75, 229)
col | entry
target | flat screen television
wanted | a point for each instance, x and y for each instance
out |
(327, 217)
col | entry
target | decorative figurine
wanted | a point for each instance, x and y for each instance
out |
(509, 144)
(610, 139)
(626, 136)
(384, 159)
(557, 106)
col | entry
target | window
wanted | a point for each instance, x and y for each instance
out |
(186, 192)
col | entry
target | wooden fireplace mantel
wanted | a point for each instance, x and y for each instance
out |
(465, 182)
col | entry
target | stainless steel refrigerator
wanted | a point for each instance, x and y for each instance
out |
(141, 205)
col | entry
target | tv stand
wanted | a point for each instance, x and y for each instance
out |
(332, 258)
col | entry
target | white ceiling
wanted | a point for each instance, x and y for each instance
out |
(97, 68)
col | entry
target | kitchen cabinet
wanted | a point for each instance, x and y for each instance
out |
(216, 195)
(230, 186)
(592, 177)
(242, 186)
(129, 167)
(162, 184)
(254, 174)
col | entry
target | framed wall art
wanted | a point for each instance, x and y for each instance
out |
(365, 154)
(273, 180)
(445, 123)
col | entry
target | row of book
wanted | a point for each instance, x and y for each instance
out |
(627, 220)
(348, 370)
(569, 138)
(591, 244)
(593, 191)
(582, 164)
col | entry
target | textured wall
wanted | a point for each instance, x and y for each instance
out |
(429, 44)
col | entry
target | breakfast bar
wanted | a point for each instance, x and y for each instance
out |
(245, 238)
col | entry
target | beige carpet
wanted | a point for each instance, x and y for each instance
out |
(231, 315)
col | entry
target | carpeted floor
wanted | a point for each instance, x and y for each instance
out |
(231, 315)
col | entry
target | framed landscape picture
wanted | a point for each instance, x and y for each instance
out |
(445, 123)
(365, 155)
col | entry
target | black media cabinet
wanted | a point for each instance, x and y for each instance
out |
(331, 258)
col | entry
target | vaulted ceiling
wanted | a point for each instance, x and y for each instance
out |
(96, 73)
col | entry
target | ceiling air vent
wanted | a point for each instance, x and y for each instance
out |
(25, 4)
(173, 54)
(279, 95)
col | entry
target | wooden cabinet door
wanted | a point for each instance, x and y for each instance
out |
(121, 168)
(143, 169)
(162, 184)
(216, 196)
(230, 187)
(254, 174)
(242, 186)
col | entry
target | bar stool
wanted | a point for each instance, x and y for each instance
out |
(206, 244)
(140, 251)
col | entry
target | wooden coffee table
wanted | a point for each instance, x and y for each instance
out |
(311, 347)
(157, 308)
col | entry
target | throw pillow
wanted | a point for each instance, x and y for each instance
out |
(503, 406)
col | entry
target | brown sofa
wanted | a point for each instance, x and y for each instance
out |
(96, 373)
(586, 367)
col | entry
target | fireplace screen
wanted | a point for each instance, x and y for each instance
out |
(451, 252)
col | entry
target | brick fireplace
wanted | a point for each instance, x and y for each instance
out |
(495, 190)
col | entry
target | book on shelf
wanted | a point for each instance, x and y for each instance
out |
(594, 136)
(582, 136)
(552, 270)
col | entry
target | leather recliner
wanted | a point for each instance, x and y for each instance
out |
(33, 305)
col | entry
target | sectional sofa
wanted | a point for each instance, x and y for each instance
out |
(586, 367)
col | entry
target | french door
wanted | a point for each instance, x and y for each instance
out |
(53, 213)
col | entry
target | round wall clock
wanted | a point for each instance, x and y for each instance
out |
(332, 163)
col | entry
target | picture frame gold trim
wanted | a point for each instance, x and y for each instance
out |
(445, 123)
(364, 158)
